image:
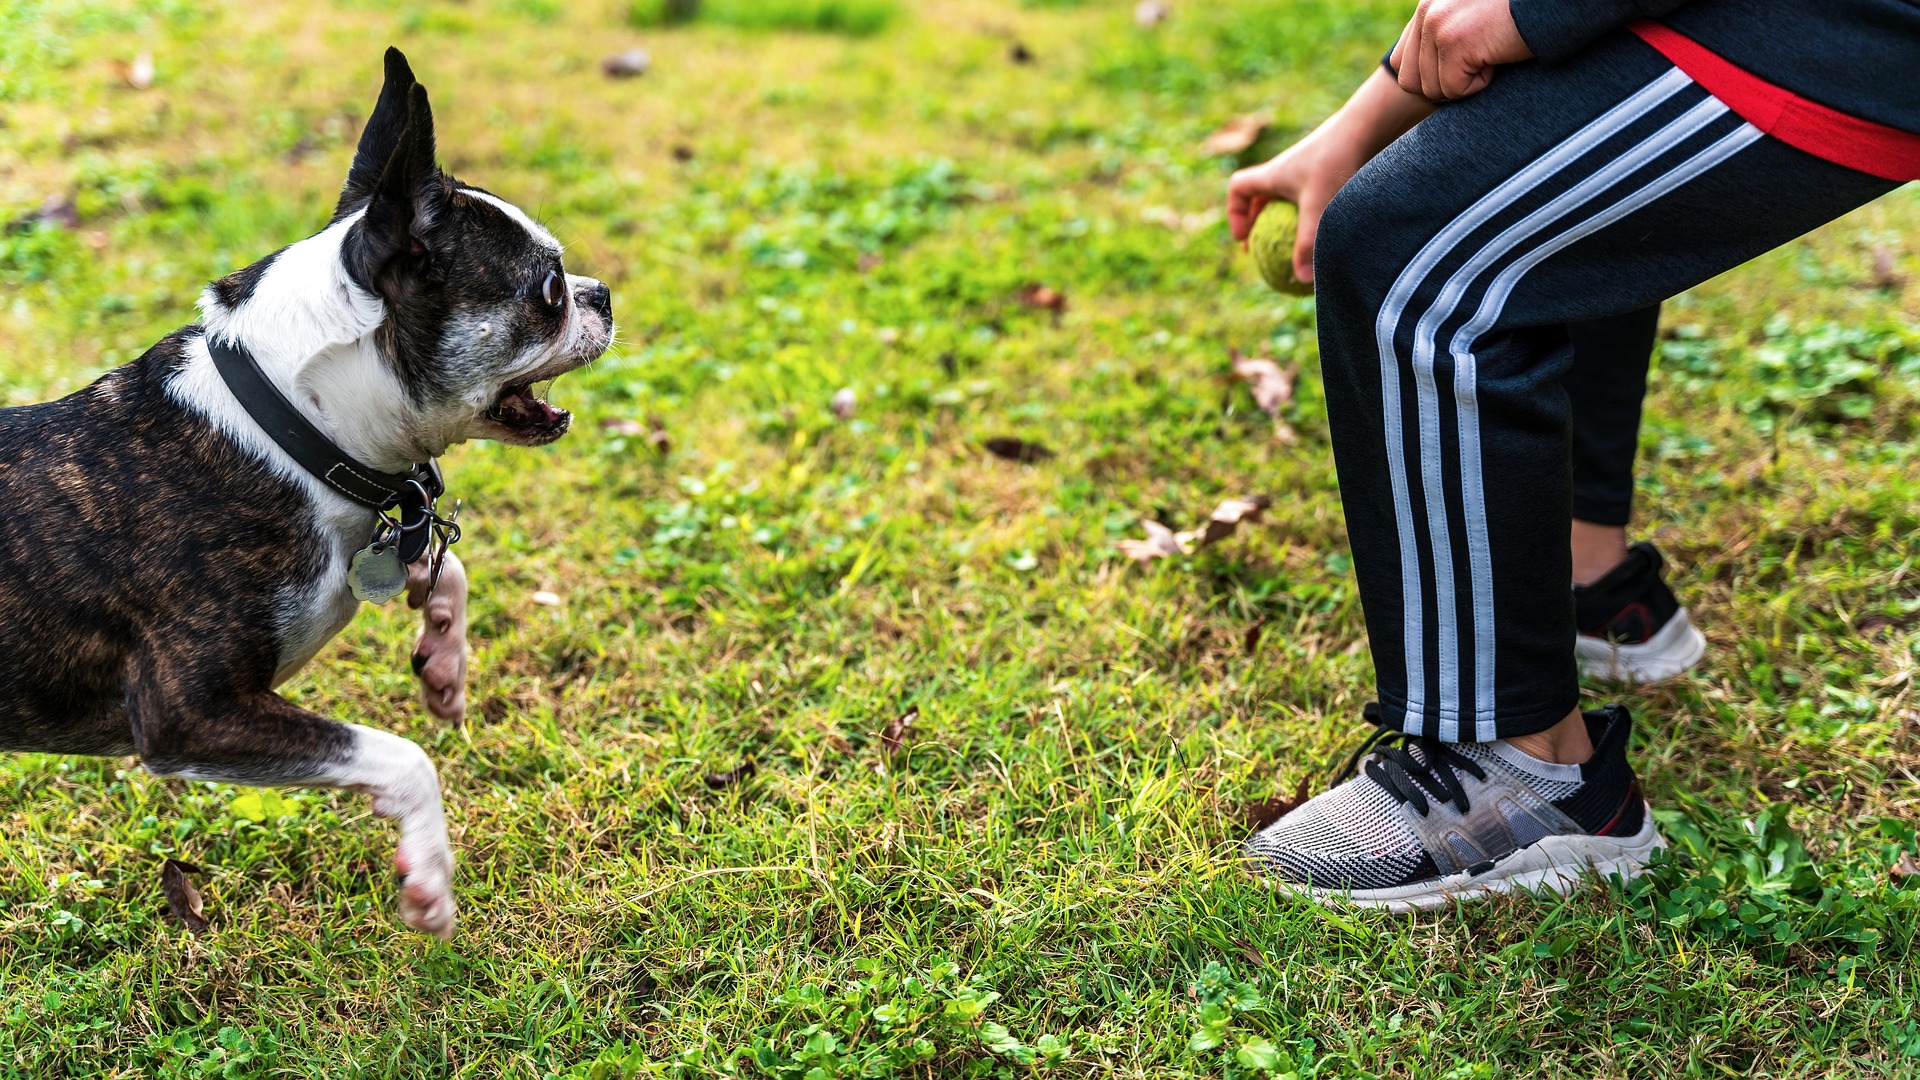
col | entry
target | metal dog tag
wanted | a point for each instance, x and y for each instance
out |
(376, 573)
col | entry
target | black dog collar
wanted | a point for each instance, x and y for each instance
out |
(414, 491)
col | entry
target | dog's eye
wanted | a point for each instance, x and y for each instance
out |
(554, 290)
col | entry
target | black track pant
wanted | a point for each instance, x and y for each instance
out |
(1606, 385)
(1448, 271)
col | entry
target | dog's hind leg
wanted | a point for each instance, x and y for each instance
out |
(440, 656)
(186, 728)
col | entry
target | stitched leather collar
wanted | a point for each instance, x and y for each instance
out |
(305, 443)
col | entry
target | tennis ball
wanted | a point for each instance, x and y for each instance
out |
(1271, 242)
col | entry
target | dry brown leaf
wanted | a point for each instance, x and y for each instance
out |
(1885, 275)
(183, 900)
(1236, 135)
(1263, 812)
(1906, 867)
(1150, 13)
(895, 736)
(1043, 298)
(1872, 624)
(1161, 543)
(1272, 388)
(733, 776)
(54, 210)
(626, 64)
(682, 152)
(1252, 636)
(844, 403)
(620, 425)
(1020, 450)
(1229, 514)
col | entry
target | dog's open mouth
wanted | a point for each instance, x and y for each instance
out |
(528, 415)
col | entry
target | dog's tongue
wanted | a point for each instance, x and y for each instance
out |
(523, 408)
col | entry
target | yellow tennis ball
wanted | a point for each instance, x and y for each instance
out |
(1271, 242)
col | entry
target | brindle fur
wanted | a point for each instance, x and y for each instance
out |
(128, 521)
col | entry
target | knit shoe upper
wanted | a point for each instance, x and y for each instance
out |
(1425, 821)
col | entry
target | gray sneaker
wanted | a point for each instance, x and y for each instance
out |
(1426, 823)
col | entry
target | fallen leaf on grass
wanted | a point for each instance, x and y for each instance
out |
(1150, 13)
(626, 64)
(1872, 624)
(1263, 812)
(138, 75)
(894, 737)
(54, 210)
(1020, 450)
(1161, 543)
(1228, 516)
(1885, 276)
(733, 776)
(1252, 636)
(1272, 388)
(1236, 135)
(547, 599)
(621, 425)
(682, 152)
(657, 434)
(844, 403)
(1164, 543)
(183, 900)
(1043, 298)
(1906, 867)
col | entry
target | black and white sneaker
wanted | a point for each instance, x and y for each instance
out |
(1632, 627)
(1426, 823)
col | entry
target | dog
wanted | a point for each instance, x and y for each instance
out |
(183, 535)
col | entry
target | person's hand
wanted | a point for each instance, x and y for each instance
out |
(1451, 48)
(1311, 172)
(1308, 174)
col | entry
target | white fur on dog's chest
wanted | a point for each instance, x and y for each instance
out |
(312, 614)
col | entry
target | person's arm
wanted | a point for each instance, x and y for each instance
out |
(1451, 48)
(1310, 172)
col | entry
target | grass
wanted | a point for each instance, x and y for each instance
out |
(1042, 879)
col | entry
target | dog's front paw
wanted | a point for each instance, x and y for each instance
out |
(440, 656)
(426, 896)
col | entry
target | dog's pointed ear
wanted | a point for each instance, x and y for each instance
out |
(396, 239)
(379, 138)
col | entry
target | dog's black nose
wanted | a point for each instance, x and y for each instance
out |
(602, 300)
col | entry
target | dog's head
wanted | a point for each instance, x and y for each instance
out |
(479, 307)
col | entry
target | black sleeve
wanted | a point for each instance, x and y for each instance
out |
(1558, 29)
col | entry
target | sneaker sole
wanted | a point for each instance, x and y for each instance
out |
(1673, 651)
(1556, 865)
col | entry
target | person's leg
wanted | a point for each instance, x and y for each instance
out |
(1447, 272)
(1449, 269)
(1606, 384)
(1631, 626)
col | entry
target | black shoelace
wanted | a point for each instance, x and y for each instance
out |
(1401, 772)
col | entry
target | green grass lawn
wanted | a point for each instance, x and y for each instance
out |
(1042, 878)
